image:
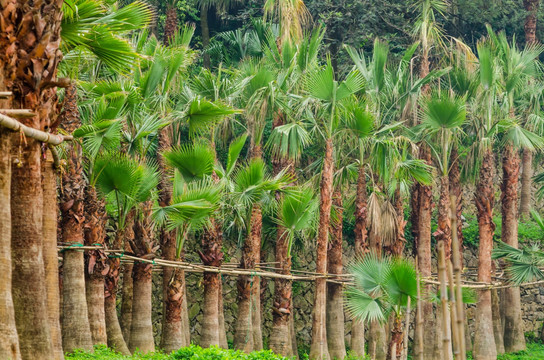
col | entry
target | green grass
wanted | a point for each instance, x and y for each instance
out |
(534, 351)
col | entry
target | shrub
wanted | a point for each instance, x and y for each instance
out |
(194, 352)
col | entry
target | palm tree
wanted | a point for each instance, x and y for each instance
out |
(382, 287)
(531, 6)
(517, 67)
(36, 91)
(252, 186)
(328, 97)
(296, 215)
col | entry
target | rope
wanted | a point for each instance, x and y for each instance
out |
(342, 279)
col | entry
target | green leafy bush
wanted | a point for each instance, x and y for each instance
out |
(192, 352)
(528, 231)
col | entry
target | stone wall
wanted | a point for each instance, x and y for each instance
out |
(303, 297)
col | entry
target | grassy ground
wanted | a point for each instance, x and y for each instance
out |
(535, 351)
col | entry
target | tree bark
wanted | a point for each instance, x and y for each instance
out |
(205, 34)
(531, 7)
(222, 331)
(9, 340)
(29, 56)
(377, 333)
(127, 291)
(361, 248)
(256, 232)
(141, 326)
(96, 263)
(171, 23)
(244, 338)
(484, 342)
(335, 304)
(424, 204)
(514, 337)
(76, 331)
(498, 330)
(319, 347)
(50, 253)
(212, 255)
(113, 329)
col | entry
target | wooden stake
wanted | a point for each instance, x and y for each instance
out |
(446, 341)
(457, 272)
(18, 113)
(35, 134)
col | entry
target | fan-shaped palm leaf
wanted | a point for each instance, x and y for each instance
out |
(194, 161)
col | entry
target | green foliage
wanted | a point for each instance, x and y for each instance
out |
(528, 231)
(192, 352)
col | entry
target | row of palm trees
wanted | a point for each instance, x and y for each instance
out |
(152, 133)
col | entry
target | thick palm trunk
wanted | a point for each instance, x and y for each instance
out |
(171, 23)
(113, 329)
(319, 349)
(498, 329)
(335, 304)
(484, 342)
(424, 204)
(398, 247)
(141, 326)
(280, 341)
(29, 52)
(514, 338)
(9, 340)
(76, 331)
(222, 330)
(127, 291)
(212, 255)
(361, 247)
(531, 6)
(394, 349)
(50, 253)
(256, 322)
(96, 264)
(244, 338)
(205, 34)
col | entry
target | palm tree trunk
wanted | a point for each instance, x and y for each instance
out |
(222, 331)
(205, 34)
(256, 232)
(394, 349)
(531, 6)
(50, 253)
(498, 329)
(141, 326)
(76, 331)
(113, 329)
(29, 53)
(127, 291)
(9, 340)
(244, 338)
(319, 348)
(484, 342)
(514, 338)
(96, 264)
(424, 204)
(335, 304)
(171, 22)
(361, 247)
(398, 246)
(212, 255)
(377, 335)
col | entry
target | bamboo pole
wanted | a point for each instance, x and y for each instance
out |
(457, 272)
(404, 354)
(35, 134)
(453, 312)
(446, 341)
(5, 94)
(18, 113)
(419, 327)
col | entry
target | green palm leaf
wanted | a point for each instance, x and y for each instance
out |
(194, 161)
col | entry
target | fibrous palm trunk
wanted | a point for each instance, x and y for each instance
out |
(50, 253)
(172, 337)
(514, 338)
(319, 348)
(498, 329)
(96, 264)
(29, 51)
(243, 336)
(484, 342)
(205, 34)
(335, 303)
(531, 6)
(361, 247)
(424, 204)
(171, 23)
(256, 232)
(141, 326)
(9, 341)
(113, 329)
(211, 255)
(127, 290)
(76, 331)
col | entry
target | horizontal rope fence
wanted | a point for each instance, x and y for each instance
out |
(264, 270)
